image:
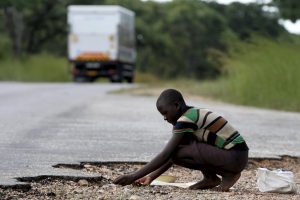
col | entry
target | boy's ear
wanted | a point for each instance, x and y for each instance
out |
(177, 105)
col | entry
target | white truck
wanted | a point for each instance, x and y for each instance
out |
(101, 42)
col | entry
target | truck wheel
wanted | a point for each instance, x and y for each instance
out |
(116, 78)
(129, 79)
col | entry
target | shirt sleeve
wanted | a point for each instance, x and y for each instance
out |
(184, 127)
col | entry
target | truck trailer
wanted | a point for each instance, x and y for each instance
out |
(101, 42)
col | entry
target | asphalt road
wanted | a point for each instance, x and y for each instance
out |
(42, 125)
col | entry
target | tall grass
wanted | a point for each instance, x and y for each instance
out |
(265, 74)
(261, 73)
(44, 67)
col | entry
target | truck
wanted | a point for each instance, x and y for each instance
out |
(101, 42)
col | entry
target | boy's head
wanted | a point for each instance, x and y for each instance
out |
(171, 105)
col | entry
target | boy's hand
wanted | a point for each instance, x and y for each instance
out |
(146, 180)
(124, 180)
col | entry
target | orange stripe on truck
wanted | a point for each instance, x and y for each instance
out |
(92, 57)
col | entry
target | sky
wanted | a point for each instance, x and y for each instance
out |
(287, 24)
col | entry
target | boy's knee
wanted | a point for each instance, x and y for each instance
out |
(181, 158)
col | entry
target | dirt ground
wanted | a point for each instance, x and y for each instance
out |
(102, 188)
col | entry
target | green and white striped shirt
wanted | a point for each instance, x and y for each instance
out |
(208, 127)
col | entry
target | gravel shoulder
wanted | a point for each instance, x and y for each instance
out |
(102, 187)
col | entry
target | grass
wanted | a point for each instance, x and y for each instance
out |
(265, 74)
(39, 68)
(262, 73)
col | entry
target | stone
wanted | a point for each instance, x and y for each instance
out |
(135, 197)
(83, 182)
(87, 166)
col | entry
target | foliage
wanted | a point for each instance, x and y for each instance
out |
(174, 39)
(289, 9)
(262, 73)
(179, 42)
(245, 19)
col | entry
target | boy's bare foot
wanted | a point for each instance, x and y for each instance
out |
(206, 183)
(227, 182)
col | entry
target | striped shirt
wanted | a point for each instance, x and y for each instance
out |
(208, 127)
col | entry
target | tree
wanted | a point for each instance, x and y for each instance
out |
(14, 23)
(195, 30)
(46, 26)
(244, 19)
(289, 9)
(35, 25)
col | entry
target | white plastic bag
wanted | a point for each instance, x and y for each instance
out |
(276, 181)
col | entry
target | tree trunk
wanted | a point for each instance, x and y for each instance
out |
(15, 27)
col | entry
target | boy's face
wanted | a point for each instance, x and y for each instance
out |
(169, 111)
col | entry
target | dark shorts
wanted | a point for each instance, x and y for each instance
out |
(211, 159)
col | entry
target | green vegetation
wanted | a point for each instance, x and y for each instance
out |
(42, 67)
(289, 9)
(262, 73)
(266, 74)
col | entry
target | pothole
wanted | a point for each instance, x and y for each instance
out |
(101, 187)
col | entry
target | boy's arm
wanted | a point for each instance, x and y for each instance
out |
(161, 170)
(161, 159)
(146, 180)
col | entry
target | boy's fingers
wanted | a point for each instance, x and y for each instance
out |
(115, 181)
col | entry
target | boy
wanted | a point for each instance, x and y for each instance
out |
(201, 140)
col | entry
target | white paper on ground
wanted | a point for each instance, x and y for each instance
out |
(181, 185)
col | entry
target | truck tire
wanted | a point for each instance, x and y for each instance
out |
(129, 79)
(116, 78)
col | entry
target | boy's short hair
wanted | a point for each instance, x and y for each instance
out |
(170, 96)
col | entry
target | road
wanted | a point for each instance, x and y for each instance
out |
(43, 124)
